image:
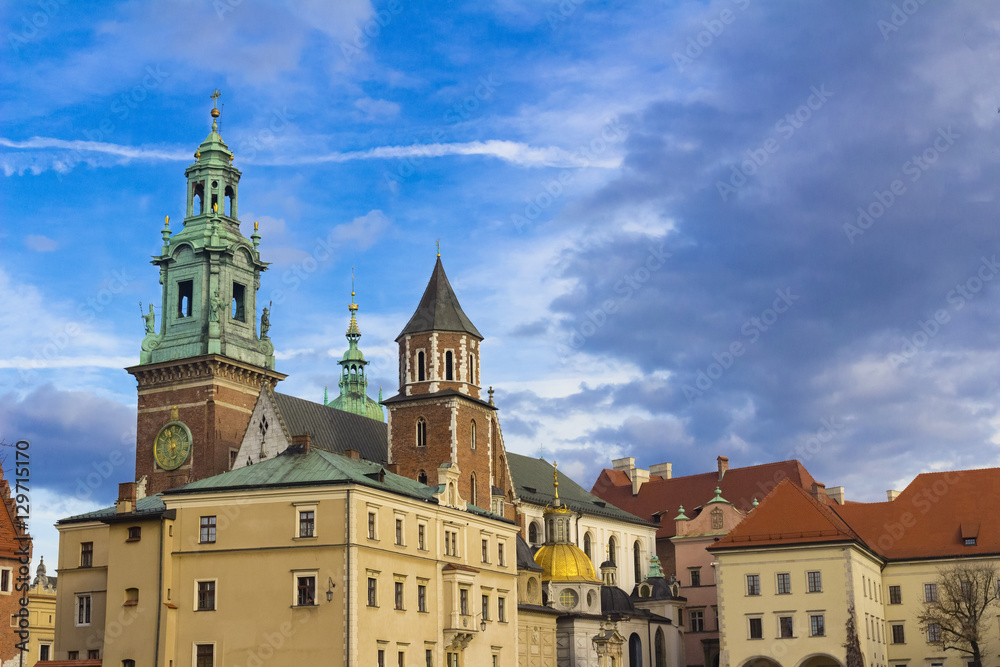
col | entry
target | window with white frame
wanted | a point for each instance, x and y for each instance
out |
(753, 584)
(815, 580)
(305, 526)
(206, 533)
(204, 599)
(450, 542)
(305, 589)
(501, 554)
(784, 583)
(696, 620)
(817, 625)
(930, 593)
(83, 609)
(372, 523)
(372, 589)
(204, 655)
(756, 627)
(422, 536)
(399, 531)
(6, 580)
(785, 627)
(933, 632)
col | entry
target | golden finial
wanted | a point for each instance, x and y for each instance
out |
(166, 221)
(215, 207)
(215, 97)
(352, 306)
(232, 156)
(255, 224)
(197, 155)
(173, 414)
(555, 475)
(439, 247)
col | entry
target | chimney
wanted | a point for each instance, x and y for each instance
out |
(392, 467)
(639, 477)
(303, 441)
(819, 491)
(837, 494)
(626, 465)
(664, 470)
(126, 498)
(723, 466)
(891, 495)
(352, 454)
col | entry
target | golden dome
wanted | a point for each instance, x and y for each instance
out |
(565, 562)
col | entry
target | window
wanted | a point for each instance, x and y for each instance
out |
(486, 607)
(45, 653)
(784, 583)
(895, 595)
(399, 531)
(756, 628)
(134, 534)
(695, 576)
(933, 632)
(421, 432)
(421, 374)
(422, 477)
(400, 659)
(613, 550)
(696, 620)
(72, 655)
(372, 592)
(533, 533)
(5, 580)
(83, 609)
(131, 597)
(898, 636)
(970, 541)
(307, 523)
(472, 490)
(206, 596)
(398, 594)
(93, 654)
(463, 601)
(502, 609)
(472, 437)
(86, 554)
(753, 584)
(930, 593)
(450, 542)
(501, 555)
(637, 560)
(381, 658)
(472, 369)
(305, 587)
(817, 628)
(239, 302)
(428, 658)
(372, 524)
(421, 597)
(207, 535)
(815, 581)
(422, 537)
(587, 546)
(449, 366)
(185, 295)
(486, 550)
(204, 655)
(785, 627)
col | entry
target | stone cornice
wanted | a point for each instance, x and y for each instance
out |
(206, 366)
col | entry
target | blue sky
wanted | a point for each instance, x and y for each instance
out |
(761, 230)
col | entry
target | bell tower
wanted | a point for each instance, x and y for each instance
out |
(202, 364)
(438, 418)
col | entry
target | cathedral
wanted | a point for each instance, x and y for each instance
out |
(262, 527)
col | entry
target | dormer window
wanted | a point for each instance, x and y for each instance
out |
(969, 541)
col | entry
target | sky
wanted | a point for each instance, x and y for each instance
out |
(686, 229)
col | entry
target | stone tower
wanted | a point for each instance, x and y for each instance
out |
(439, 418)
(202, 363)
(353, 381)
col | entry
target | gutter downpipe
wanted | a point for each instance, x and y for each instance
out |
(159, 599)
(347, 586)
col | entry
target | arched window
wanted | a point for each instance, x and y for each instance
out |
(230, 196)
(472, 479)
(660, 649)
(472, 439)
(613, 550)
(199, 199)
(421, 376)
(215, 196)
(421, 432)
(422, 477)
(587, 546)
(533, 533)
(472, 370)
(637, 560)
(449, 370)
(634, 651)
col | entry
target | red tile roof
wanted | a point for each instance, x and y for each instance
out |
(931, 518)
(740, 486)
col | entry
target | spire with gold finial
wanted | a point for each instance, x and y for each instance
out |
(215, 110)
(439, 247)
(352, 327)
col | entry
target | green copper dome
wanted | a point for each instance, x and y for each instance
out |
(353, 379)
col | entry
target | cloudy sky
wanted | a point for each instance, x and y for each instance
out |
(763, 230)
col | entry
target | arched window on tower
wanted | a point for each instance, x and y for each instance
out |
(587, 546)
(215, 195)
(422, 477)
(230, 197)
(637, 560)
(613, 550)
(472, 370)
(421, 376)
(472, 438)
(472, 492)
(198, 198)
(449, 370)
(421, 432)
(532, 533)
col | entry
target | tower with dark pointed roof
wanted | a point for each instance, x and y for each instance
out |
(438, 418)
(353, 381)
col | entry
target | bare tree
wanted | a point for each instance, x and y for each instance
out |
(954, 615)
(855, 658)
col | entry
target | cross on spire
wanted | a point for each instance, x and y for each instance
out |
(439, 247)
(215, 97)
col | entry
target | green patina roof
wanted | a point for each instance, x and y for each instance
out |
(439, 309)
(151, 505)
(533, 480)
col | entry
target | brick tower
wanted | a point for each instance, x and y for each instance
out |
(439, 418)
(200, 371)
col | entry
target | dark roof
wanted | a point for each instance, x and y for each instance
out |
(145, 507)
(615, 602)
(334, 430)
(400, 398)
(525, 559)
(741, 486)
(439, 309)
(533, 481)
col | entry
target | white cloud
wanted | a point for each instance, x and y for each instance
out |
(40, 243)
(376, 109)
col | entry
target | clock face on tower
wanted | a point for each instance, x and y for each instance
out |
(172, 445)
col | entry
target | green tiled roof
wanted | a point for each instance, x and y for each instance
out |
(533, 480)
(149, 505)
